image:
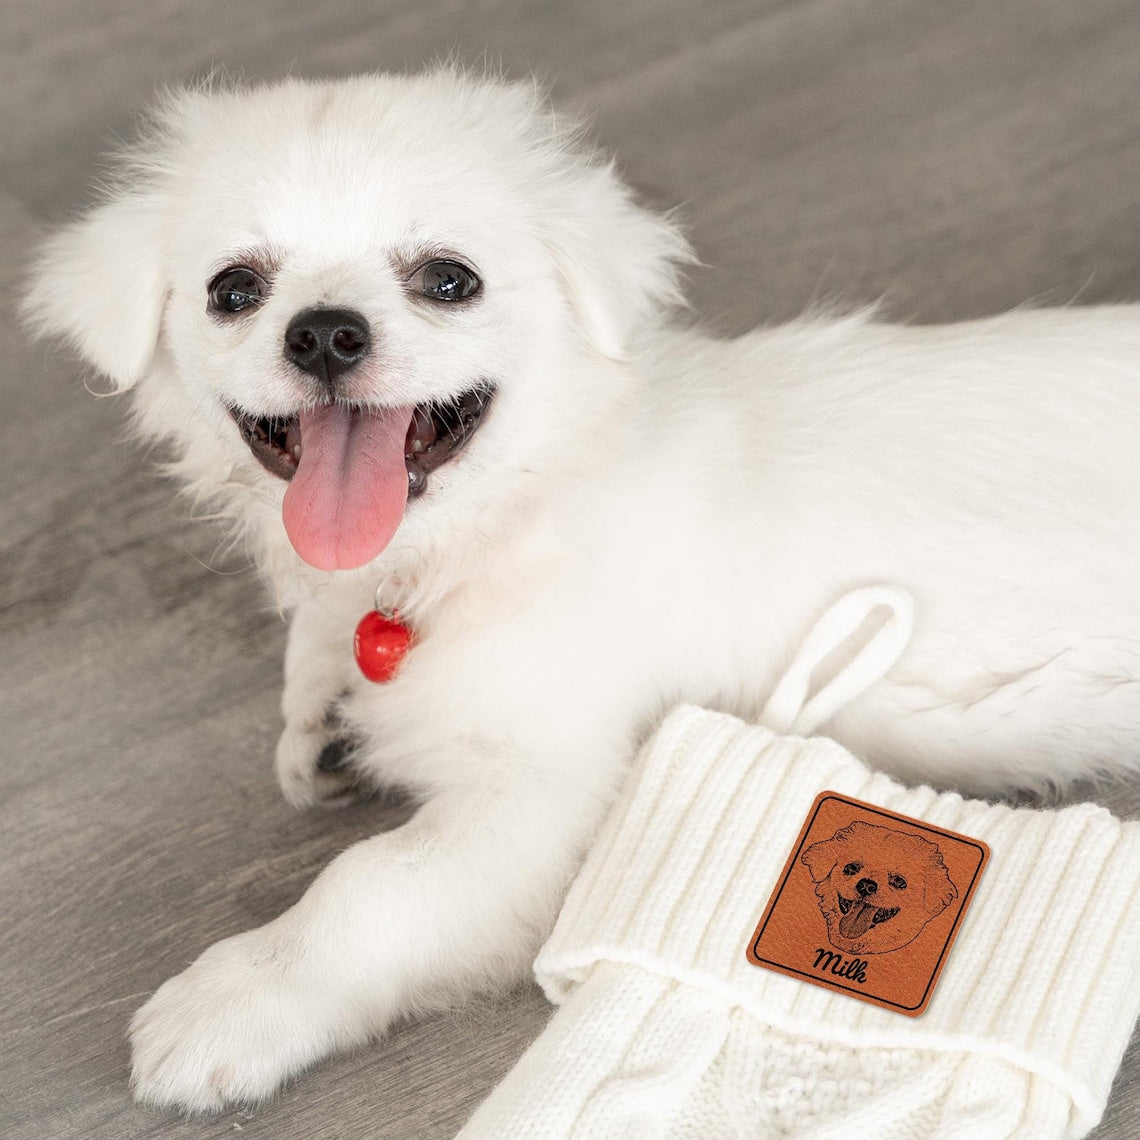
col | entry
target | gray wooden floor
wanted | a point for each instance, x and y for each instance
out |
(954, 159)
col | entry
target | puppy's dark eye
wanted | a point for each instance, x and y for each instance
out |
(898, 882)
(852, 868)
(236, 289)
(445, 281)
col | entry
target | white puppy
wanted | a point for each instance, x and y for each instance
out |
(408, 335)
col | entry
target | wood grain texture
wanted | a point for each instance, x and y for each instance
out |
(952, 159)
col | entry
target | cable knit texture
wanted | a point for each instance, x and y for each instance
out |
(666, 1030)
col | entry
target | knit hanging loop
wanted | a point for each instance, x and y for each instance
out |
(790, 711)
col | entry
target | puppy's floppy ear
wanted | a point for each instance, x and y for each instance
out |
(618, 261)
(99, 283)
(938, 890)
(820, 858)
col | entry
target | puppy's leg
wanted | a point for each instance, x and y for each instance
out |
(456, 900)
(313, 752)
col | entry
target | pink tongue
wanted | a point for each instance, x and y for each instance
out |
(347, 498)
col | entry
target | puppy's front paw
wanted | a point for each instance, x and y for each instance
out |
(315, 767)
(231, 1028)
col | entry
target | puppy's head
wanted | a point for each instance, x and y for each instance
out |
(362, 305)
(877, 887)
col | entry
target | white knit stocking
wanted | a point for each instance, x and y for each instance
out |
(665, 1030)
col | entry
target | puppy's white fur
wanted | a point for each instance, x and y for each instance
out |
(647, 515)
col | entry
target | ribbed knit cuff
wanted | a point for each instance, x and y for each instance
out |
(1042, 975)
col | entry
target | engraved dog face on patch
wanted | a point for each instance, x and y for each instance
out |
(877, 886)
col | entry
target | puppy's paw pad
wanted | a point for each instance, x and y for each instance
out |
(336, 756)
(313, 769)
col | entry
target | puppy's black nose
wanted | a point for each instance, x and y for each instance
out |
(326, 342)
(866, 887)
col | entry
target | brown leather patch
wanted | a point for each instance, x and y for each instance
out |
(869, 903)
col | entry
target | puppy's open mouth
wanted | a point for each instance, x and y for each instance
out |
(859, 916)
(351, 470)
(435, 434)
